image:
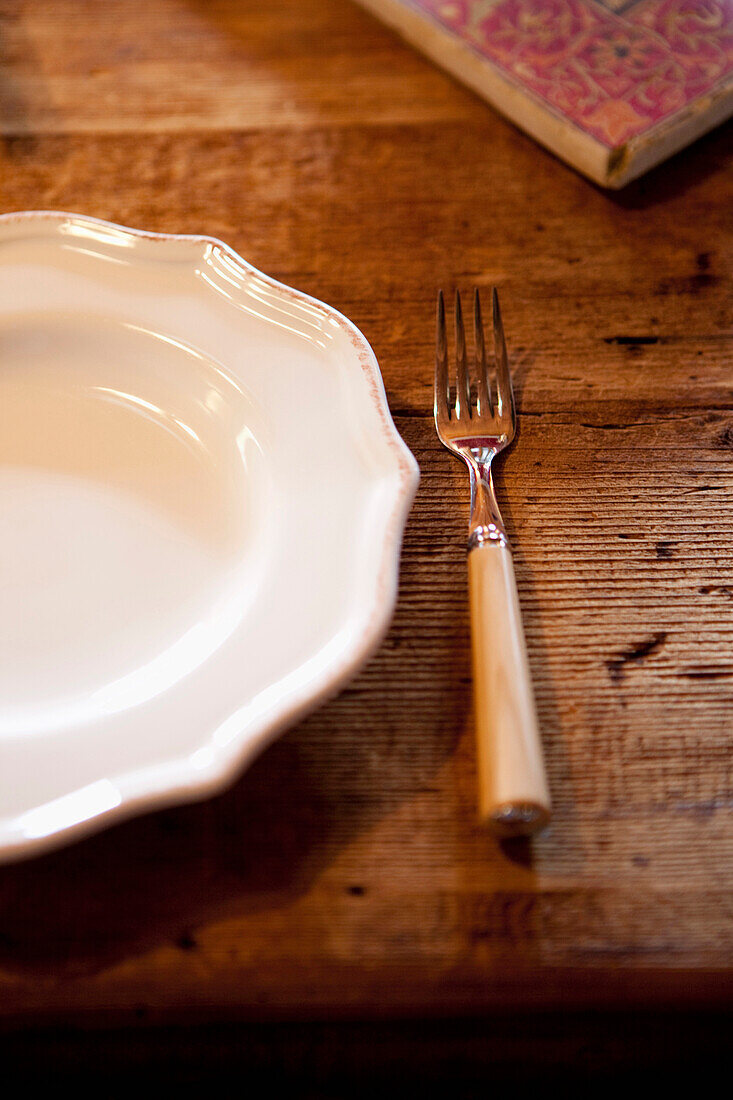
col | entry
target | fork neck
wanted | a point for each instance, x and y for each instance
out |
(486, 527)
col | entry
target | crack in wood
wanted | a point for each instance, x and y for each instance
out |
(635, 654)
(665, 549)
(706, 672)
(632, 341)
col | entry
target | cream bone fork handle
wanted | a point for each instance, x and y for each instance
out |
(513, 795)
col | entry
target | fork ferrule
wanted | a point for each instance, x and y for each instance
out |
(486, 527)
(490, 535)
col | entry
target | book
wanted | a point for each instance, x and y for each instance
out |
(611, 86)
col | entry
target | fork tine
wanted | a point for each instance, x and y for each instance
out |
(463, 386)
(484, 390)
(442, 390)
(504, 393)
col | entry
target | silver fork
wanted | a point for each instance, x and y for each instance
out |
(513, 794)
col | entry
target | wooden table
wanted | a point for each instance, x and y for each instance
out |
(344, 876)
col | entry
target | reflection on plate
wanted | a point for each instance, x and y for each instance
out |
(202, 497)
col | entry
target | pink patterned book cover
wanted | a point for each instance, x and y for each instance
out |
(612, 86)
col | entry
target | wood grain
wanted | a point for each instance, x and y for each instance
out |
(345, 873)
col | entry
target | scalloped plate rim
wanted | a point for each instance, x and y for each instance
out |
(232, 760)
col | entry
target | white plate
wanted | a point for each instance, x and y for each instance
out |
(202, 497)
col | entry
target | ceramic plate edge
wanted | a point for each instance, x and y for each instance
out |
(191, 785)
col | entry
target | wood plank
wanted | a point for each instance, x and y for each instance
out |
(345, 873)
(130, 66)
